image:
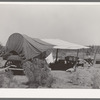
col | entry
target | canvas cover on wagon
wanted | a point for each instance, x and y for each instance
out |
(25, 45)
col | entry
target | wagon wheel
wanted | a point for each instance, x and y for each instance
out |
(8, 63)
(6, 66)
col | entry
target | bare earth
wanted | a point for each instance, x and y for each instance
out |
(83, 78)
(63, 80)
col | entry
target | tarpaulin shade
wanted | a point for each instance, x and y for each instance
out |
(71, 47)
(27, 46)
(60, 44)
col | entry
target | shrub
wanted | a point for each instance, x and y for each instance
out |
(1, 80)
(96, 80)
(38, 73)
(82, 77)
(6, 79)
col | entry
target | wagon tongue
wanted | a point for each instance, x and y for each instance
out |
(4, 69)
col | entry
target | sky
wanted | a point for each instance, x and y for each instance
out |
(74, 23)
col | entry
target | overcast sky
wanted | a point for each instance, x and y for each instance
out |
(74, 23)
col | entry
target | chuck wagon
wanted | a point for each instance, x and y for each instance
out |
(14, 64)
(21, 47)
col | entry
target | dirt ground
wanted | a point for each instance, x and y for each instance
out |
(63, 80)
(83, 78)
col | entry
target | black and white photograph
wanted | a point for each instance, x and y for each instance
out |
(49, 46)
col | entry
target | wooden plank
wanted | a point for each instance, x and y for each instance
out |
(15, 69)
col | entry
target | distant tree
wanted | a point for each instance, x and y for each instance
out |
(1, 46)
(2, 49)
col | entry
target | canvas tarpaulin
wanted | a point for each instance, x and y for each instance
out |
(27, 46)
(60, 44)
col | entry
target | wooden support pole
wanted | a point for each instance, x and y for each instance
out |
(83, 53)
(77, 52)
(56, 55)
(95, 55)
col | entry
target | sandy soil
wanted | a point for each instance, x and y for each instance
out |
(63, 80)
(20, 80)
(82, 78)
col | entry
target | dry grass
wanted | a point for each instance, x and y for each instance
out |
(96, 79)
(83, 78)
(40, 76)
(7, 81)
(38, 73)
(86, 77)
